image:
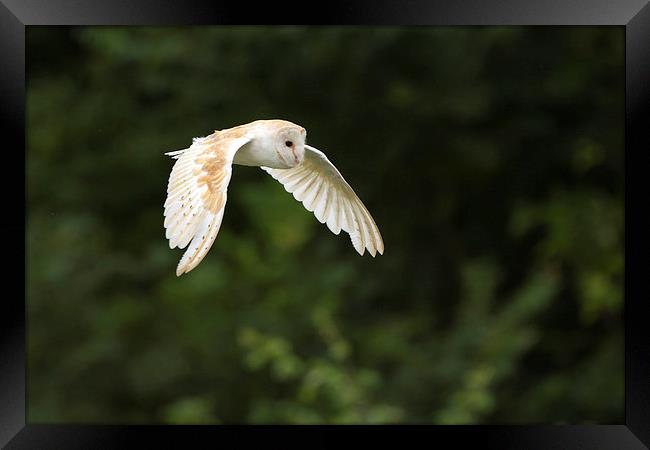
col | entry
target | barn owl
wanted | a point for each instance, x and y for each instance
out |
(198, 185)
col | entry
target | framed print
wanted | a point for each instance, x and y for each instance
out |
(425, 217)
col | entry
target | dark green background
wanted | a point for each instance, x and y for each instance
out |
(491, 159)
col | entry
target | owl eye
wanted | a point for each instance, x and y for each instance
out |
(288, 144)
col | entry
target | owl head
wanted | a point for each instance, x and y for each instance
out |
(289, 143)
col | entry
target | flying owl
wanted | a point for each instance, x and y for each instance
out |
(198, 185)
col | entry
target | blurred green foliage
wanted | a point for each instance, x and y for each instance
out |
(491, 159)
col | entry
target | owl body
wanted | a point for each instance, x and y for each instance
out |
(268, 145)
(198, 185)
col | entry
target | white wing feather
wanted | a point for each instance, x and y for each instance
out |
(321, 188)
(197, 194)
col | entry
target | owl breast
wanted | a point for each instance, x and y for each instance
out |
(258, 153)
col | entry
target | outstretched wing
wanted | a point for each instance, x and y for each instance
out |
(196, 195)
(322, 189)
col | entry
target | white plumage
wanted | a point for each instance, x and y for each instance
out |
(321, 188)
(198, 183)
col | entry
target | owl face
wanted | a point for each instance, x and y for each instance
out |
(289, 144)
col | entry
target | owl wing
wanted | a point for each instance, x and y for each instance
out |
(321, 188)
(196, 195)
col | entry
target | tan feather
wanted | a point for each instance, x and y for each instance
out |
(197, 194)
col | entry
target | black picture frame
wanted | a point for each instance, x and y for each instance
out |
(633, 15)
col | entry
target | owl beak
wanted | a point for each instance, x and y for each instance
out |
(295, 156)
